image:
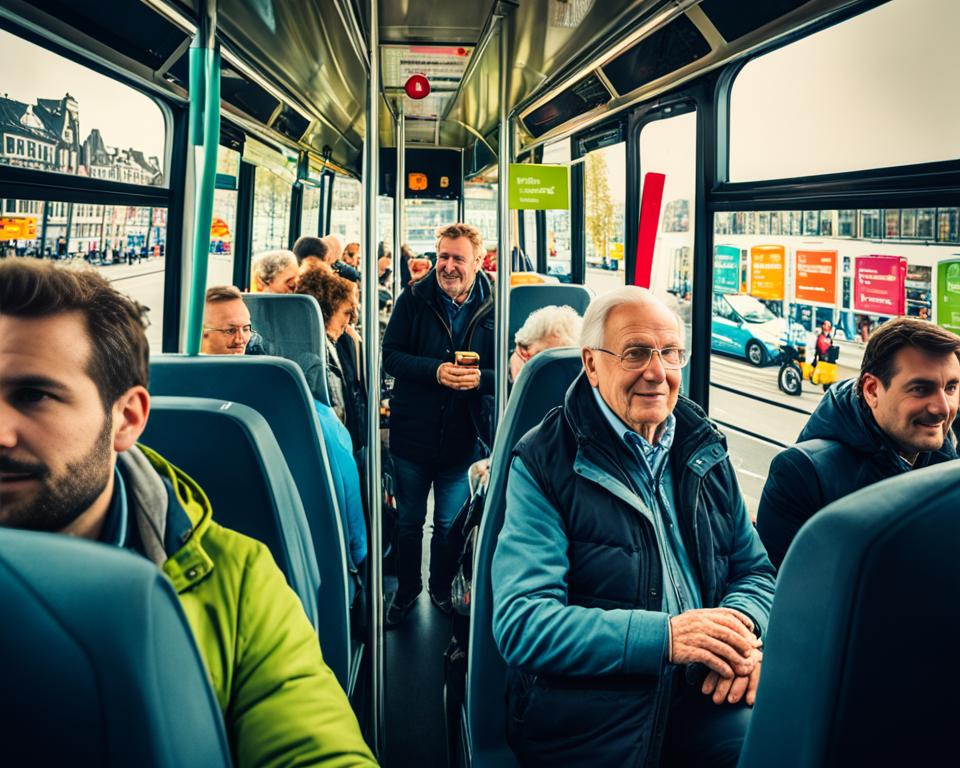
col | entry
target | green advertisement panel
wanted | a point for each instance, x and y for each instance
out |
(948, 295)
(726, 269)
(539, 187)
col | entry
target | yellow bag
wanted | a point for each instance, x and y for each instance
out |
(824, 373)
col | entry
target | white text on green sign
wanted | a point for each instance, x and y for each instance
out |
(538, 187)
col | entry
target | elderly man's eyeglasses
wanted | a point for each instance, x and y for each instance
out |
(638, 358)
(233, 330)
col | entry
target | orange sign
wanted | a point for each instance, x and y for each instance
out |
(18, 228)
(816, 277)
(417, 181)
(219, 229)
(767, 271)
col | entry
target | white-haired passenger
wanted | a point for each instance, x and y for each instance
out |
(545, 328)
(630, 589)
(275, 272)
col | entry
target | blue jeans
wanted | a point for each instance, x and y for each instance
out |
(413, 480)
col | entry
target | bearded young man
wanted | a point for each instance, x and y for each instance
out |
(74, 365)
(438, 416)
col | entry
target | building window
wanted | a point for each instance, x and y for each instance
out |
(925, 223)
(908, 222)
(870, 224)
(847, 223)
(31, 150)
(10, 145)
(891, 223)
(20, 147)
(949, 225)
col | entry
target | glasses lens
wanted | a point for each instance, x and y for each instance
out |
(635, 358)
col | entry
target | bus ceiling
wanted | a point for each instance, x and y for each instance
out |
(294, 71)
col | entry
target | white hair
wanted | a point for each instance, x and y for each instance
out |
(270, 264)
(560, 321)
(595, 318)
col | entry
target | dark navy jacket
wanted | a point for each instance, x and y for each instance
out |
(839, 451)
(593, 687)
(429, 422)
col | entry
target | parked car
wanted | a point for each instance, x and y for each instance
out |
(743, 326)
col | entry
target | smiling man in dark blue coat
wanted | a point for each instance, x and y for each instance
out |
(630, 588)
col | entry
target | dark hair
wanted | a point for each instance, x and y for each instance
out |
(218, 293)
(116, 324)
(329, 290)
(309, 246)
(899, 333)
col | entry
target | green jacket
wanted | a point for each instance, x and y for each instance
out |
(281, 703)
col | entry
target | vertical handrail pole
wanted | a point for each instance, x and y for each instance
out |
(504, 255)
(371, 327)
(399, 199)
(204, 132)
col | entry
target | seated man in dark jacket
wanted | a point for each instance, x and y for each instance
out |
(627, 564)
(894, 417)
(437, 416)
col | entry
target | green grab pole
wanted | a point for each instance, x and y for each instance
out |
(205, 132)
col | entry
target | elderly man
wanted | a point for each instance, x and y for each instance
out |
(544, 328)
(437, 414)
(275, 272)
(627, 566)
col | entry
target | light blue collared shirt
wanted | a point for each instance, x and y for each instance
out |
(653, 479)
(115, 525)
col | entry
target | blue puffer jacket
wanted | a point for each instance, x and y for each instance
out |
(839, 451)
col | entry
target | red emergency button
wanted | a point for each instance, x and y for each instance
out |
(417, 87)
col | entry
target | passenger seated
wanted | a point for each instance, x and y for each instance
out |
(544, 328)
(226, 322)
(893, 418)
(275, 272)
(74, 363)
(311, 253)
(221, 302)
(627, 565)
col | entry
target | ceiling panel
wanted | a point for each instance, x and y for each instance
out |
(442, 22)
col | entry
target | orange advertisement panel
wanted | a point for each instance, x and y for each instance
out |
(18, 228)
(816, 277)
(768, 272)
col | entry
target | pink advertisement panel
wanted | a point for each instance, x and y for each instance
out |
(879, 285)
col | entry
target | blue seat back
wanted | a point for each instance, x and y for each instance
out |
(292, 327)
(229, 450)
(524, 299)
(277, 390)
(858, 657)
(541, 385)
(99, 664)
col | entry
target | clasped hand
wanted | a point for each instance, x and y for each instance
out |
(458, 377)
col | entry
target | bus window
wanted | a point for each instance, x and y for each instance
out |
(530, 235)
(345, 220)
(480, 210)
(271, 211)
(126, 244)
(60, 117)
(605, 197)
(834, 101)
(558, 222)
(224, 223)
(310, 221)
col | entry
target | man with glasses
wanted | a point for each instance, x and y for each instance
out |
(226, 322)
(630, 588)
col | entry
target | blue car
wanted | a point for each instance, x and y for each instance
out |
(744, 327)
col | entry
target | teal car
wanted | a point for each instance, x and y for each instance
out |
(743, 326)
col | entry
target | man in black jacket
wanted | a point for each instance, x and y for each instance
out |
(439, 411)
(895, 417)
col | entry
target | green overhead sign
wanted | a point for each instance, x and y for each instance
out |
(948, 295)
(539, 187)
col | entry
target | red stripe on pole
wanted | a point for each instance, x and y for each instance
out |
(650, 201)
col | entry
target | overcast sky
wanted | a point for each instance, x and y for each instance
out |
(125, 117)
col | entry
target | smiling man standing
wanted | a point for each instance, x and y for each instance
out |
(630, 588)
(439, 421)
(894, 417)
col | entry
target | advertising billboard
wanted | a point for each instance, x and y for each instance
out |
(816, 280)
(767, 272)
(726, 269)
(879, 285)
(948, 295)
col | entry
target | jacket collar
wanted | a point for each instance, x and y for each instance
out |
(172, 514)
(695, 440)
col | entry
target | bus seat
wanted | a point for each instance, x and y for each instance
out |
(292, 327)
(541, 385)
(524, 299)
(277, 390)
(99, 663)
(229, 450)
(858, 655)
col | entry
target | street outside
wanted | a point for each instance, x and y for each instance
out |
(143, 282)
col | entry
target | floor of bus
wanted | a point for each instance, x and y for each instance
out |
(414, 717)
